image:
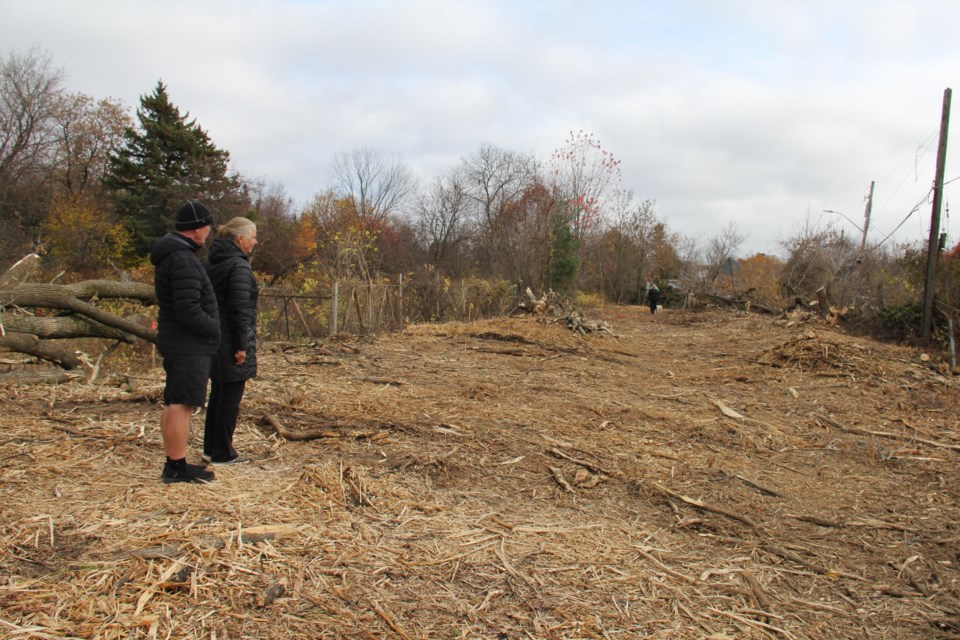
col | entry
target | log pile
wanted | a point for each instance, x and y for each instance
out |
(552, 306)
(35, 318)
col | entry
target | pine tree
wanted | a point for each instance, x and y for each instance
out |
(563, 262)
(166, 160)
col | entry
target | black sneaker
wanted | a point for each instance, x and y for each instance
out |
(190, 473)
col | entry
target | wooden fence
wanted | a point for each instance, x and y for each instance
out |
(364, 308)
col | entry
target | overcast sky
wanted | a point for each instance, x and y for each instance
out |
(763, 113)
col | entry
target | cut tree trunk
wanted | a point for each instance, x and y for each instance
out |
(72, 326)
(43, 349)
(31, 334)
(52, 296)
(91, 289)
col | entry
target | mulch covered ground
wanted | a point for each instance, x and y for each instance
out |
(691, 475)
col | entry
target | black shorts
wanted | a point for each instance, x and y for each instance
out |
(187, 377)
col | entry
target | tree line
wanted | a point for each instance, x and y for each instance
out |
(89, 185)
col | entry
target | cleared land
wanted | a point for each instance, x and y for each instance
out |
(694, 475)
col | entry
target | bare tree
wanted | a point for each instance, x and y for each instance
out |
(689, 257)
(87, 132)
(378, 185)
(584, 172)
(495, 176)
(822, 257)
(492, 179)
(723, 248)
(30, 95)
(442, 222)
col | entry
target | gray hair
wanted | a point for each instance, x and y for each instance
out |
(237, 228)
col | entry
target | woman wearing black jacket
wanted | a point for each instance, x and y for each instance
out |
(228, 266)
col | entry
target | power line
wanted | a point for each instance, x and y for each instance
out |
(916, 208)
(915, 155)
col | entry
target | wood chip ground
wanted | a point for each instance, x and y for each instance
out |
(691, 475)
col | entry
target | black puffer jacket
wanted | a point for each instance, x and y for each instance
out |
(188, 321)
(236, 288)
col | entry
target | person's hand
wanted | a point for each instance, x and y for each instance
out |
(240, 356)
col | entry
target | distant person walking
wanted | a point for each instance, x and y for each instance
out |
(653, 297)
(228, 266)
(188, 334)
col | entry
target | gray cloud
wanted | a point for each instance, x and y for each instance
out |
(749, 112)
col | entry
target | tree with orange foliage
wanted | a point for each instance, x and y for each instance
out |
(760, 279)
(284, 240)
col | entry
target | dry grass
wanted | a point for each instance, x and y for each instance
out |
(710, 475)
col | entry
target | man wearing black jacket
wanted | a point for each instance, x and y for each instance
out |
(188, 334)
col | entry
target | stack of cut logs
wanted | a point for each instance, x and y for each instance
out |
(40, 319)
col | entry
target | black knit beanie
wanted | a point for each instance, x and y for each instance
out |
(192, 215)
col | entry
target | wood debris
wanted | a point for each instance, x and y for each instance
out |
(665, 484)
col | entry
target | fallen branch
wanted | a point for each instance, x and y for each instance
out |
(583, 463)
(286, 434)
(893, 592)
(730, 413)
(885, 434)
(323, 432)
(761, 489)
(334, 362)
(96, 366)
(502, 554)
(505, 351)
(699, 504)
(672, 572)
(823, 522)
(812, 566)
(387, 381)
(389, 619)
(873, 523)
(558, 476)
(753, 623)
(763, 600)
(911, 577)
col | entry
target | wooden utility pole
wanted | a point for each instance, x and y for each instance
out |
(866, 220)
(933, 247)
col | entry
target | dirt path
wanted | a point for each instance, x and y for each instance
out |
(708, 475)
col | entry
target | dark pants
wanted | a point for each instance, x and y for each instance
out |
(223, 409)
